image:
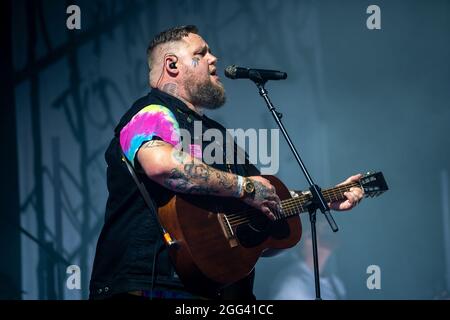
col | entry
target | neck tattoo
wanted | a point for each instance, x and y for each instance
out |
(170, 88)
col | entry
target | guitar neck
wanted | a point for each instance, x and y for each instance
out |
(299, 204)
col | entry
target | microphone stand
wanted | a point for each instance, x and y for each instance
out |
(317, 200)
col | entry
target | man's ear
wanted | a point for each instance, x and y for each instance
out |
(170, 63)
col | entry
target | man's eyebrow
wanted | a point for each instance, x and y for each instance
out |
(203, 49)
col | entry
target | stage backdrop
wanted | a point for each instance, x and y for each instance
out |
(355, 99)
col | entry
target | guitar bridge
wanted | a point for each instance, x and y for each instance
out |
(227, 229)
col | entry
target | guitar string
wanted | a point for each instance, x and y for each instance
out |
(286, 212)
(254, 213)
(237, 216)
(288, 205)
(293, 203)
(290, 208)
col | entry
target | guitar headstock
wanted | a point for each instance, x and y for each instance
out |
(373, 184)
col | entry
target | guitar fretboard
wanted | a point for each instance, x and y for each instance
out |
(294, 206)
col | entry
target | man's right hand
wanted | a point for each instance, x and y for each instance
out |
(264, 198)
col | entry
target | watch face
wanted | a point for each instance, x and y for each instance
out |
(249, 187)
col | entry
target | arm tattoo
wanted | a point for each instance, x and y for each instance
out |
(199, 178)
(197, 171)
(225, 181)
(193, 179)
(179, 156)
(154, 144)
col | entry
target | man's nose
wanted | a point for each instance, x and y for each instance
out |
(212, 59)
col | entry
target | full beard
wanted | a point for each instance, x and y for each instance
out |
(207, 95)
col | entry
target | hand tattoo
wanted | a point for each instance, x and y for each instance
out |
(261, 191)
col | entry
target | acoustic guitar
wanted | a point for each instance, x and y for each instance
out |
(218, 240)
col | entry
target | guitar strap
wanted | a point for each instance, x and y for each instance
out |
(151, 205)
(149, 202)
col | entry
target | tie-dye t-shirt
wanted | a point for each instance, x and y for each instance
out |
(150, 122)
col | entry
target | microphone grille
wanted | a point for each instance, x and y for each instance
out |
(230, 71)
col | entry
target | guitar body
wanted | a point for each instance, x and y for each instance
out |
(218, 243)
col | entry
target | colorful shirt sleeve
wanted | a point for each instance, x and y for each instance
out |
(152, 121)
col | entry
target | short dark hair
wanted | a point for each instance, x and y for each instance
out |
(169, 35)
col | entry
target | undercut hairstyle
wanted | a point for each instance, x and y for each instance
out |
(166, 37)
(170, 35)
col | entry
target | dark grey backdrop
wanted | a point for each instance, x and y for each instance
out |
(355, 99)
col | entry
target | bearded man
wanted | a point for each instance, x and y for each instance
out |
(183, 77)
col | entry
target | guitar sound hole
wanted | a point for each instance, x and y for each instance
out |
(259, 223)
(259, 229)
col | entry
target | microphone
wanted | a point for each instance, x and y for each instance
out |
(257, 75)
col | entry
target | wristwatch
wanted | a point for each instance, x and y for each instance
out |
(249, 187)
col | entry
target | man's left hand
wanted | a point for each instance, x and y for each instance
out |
(353, 196)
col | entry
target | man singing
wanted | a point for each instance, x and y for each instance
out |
(184, 83)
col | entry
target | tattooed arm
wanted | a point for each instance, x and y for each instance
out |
(182, 173)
